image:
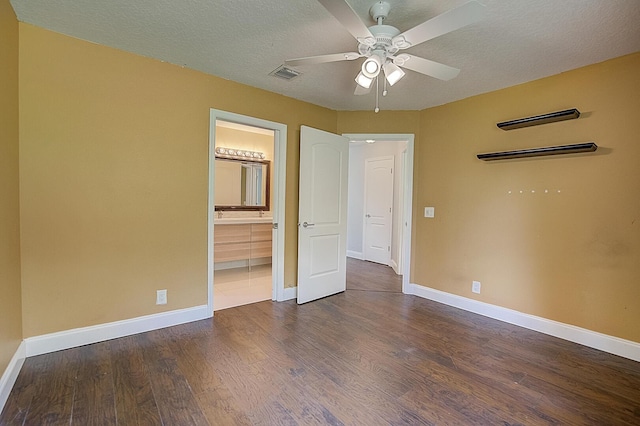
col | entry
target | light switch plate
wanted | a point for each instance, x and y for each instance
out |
(429, 211)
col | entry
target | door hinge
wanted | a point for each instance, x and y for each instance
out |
(275, 226)
(388, 248)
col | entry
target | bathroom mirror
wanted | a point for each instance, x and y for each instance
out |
(241, 184)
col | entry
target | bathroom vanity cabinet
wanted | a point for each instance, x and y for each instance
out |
(241, 241)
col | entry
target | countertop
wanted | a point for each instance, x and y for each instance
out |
(241, 220)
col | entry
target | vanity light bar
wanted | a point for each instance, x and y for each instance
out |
(242, 154)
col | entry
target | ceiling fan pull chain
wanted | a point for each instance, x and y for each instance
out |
(377, 92)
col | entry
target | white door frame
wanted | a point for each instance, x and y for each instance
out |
(279, 185)
(407, 206)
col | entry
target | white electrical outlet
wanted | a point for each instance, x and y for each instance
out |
(475, 287)
(161, 297)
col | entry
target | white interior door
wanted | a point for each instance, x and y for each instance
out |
(322, 218)
(378, 209)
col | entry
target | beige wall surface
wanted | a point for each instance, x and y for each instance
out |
(113, 174)
(556, 237)
(381, 122)
(10, 304)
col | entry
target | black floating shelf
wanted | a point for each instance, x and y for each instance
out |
(539, 152)
(551, 117)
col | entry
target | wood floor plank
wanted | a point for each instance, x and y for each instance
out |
(17, 406)
(370, 276)
(54, 389)
(221, 408)
(173, 396)
(94, 394)
(134, 398)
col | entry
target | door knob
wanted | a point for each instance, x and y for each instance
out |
(367, 215)
(306, 225)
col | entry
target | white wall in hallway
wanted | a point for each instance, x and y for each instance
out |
(358, 153)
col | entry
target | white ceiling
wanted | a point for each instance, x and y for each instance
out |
(244, 40)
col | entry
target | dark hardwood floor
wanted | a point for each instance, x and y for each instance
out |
(372, 357)
(369, 276)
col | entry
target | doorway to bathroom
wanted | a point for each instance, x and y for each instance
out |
(246, 210)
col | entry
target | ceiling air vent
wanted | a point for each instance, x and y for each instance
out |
(285, 72)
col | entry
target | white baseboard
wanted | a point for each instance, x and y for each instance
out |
(592, 339)
(394, 266)
(355, 254)
(289, 293)
(86, 335)
(10, 374)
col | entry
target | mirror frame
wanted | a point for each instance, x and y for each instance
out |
(266, 206)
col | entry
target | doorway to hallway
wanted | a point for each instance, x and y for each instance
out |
(400, 148)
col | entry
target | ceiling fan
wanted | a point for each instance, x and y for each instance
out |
(380, 44)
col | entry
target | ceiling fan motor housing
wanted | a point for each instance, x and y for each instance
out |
(380, 10)
(384, 35)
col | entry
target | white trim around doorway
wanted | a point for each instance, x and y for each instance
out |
(407, 205)
(280, 160)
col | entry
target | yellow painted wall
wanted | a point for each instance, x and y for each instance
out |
(10, 303)
(570, 251)
(381, 122)
(113, 177)
(113, 173)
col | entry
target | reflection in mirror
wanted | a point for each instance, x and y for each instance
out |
(241, 184)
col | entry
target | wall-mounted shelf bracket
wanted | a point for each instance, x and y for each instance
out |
(551, 117)
(539, 152)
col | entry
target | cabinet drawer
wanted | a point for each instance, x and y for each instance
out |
(232, 233)
(261, 249)
(261, 231)
(233, 251)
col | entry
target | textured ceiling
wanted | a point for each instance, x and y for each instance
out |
(245, 40)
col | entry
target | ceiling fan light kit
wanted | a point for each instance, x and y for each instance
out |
(392, 72)
(363, 80)
(380, 43)
(371, 67)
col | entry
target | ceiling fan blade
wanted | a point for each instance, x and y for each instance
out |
(361, 90)
(427, 67)
(444, 23)
(312, 60)
(341, 10)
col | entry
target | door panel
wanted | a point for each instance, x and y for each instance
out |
(322, 229)
(378, 209)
